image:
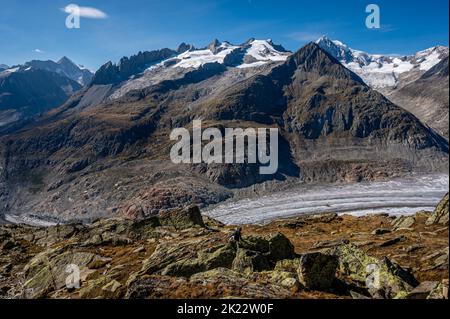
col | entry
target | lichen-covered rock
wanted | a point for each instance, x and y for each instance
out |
(40, 284)
(317, 271)
(403, 222)
(182, 219)
(274, 246)
(229, 283)
(249, 261)
(289, 265)
(440, 291)
(381, 277)
(169, 253)
(48, 271)
(183, 260)
(423, 290)
(440, 214)
(285, 279)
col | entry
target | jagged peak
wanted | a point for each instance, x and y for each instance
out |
(313, 58)
(65, 60)
(184, 47)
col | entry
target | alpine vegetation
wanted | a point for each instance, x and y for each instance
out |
(238, 146)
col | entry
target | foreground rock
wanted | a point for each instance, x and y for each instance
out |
(440, 214)
(181, 255)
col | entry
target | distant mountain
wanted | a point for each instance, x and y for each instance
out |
(428, 97)
(418, 83)
(3, 67)
(384, 72)
(64, 67)
(29, 91)
(106, 151)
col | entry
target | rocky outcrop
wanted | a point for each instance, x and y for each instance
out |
(440, 214)
(383, 277)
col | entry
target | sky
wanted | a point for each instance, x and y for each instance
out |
(110, 29)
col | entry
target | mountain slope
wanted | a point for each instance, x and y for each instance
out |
(428, 97)
(26, 93)
(37, 86)
(113, 157)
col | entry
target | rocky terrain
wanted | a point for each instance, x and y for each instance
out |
(105, 152)
(179, 254)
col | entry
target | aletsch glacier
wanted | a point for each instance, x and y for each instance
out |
(401, 196)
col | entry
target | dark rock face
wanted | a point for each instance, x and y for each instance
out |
(317, 271)
(428, 97)
(110, 73)
(34, 91)
(183, 47)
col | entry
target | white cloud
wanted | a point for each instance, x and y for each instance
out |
(38, 51)
(85, 12)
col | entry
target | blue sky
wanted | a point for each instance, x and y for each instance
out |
(36, 29)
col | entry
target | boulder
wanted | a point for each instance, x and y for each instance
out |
(249, 261)
(284, 279)
(228, 283)
(440, 292)
(183, 218)
(317, 271)
(440, 214)
(280, 247)
(154, 287)
(423, 290)
(289, 265)
(382, 278)
(169, 253)
(47, 271)
(403, 222)
(381, 231)
(184, 261)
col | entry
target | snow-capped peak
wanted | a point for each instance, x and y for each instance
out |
(263, 50)
(382, 71)
(250, 54)
(197, 58)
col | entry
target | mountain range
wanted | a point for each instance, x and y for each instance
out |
(418, 82)
(105, 151)
(37, 86)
